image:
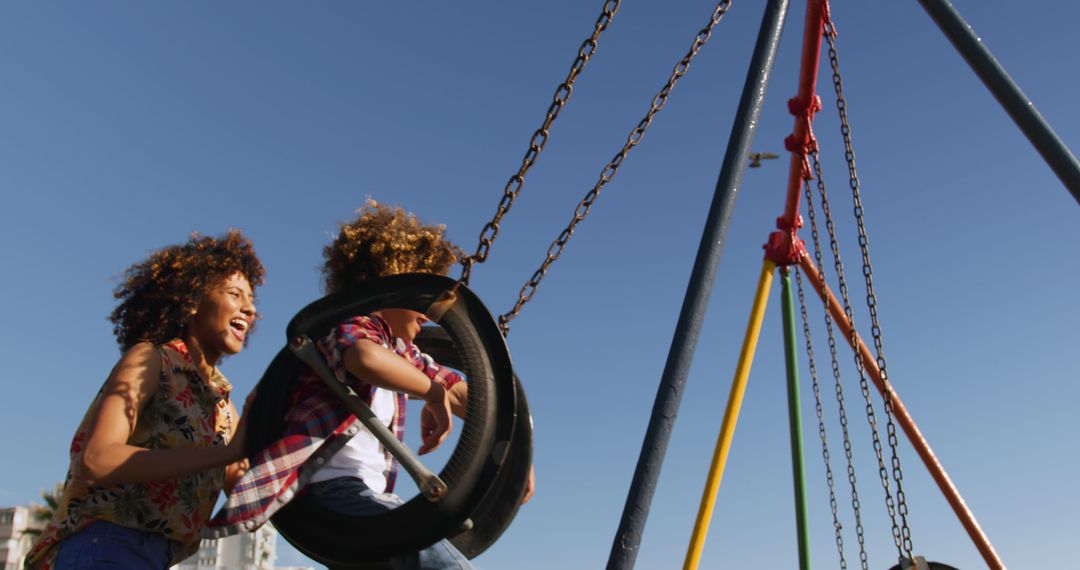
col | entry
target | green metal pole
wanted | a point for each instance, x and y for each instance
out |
(795, 418)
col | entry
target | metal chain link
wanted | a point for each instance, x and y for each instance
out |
(538, 141)
(837, 527)
(612, 167)
(849, 312)
(903, 541)
(838, 387)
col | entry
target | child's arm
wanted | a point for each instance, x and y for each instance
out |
(459, 399)
(383, 368)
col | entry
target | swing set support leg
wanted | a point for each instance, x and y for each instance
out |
(922, 447)
(665, 408)
(731, 417)
(1007, 92)
(798, 467)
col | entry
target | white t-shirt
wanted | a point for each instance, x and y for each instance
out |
(363, 456)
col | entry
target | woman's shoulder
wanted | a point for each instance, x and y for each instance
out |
(142, 355)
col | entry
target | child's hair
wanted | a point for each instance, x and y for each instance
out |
(158, 294)
(385, 240)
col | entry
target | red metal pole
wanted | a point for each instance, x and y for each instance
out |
(922, 447)
(804, 105)
(784, 247)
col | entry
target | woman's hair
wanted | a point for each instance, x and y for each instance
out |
(385, 240)
(159, 294)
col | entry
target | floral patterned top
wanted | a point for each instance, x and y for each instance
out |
(186, 411)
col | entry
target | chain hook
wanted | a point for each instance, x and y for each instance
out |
(827, 24)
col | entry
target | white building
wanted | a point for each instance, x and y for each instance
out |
(14, 538)
(244, 551)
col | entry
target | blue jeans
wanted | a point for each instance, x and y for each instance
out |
(350, 496)
(107, 545)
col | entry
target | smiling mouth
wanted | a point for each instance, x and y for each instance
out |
(239, 328)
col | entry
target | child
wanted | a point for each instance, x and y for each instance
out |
(162, 438)
(375, 355)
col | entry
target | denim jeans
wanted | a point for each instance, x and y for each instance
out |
(107, 545)
(350, 496)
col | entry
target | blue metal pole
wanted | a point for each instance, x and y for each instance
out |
(669, 394)
(1007, 92)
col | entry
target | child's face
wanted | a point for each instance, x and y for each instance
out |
(404, 323)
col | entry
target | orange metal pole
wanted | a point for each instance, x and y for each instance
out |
(922, 447)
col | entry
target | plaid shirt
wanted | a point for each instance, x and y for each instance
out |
(316, 426)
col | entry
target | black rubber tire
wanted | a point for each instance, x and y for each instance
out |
(932, 566)
(497, 510)
(337, 540)
(499, 507)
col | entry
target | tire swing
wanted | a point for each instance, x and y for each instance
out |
(487, 475)
(473, 468)
(499, 506)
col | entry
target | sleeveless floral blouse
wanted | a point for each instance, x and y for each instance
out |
(186, 411)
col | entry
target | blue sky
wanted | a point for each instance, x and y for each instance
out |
(126, 125)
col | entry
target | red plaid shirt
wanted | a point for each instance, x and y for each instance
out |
(316, 426)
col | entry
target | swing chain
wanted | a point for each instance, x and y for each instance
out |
(539, 140)
(608, 172)
(838, 387)
(837, 527)
(837, 384)
(903, 541)
(849, 313)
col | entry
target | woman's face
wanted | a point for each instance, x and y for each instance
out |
(224, 316)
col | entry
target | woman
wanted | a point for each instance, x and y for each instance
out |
(162, 438)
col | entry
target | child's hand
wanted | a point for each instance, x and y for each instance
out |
(530, 487)
(434, 419)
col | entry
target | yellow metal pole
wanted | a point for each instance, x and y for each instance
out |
(731, 416)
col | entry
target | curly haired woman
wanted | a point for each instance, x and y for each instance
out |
(161, 438)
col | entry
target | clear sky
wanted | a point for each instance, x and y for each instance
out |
(124, 126)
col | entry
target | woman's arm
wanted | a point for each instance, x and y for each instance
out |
(109, 460)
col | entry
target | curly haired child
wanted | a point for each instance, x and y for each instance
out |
(375, 354)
